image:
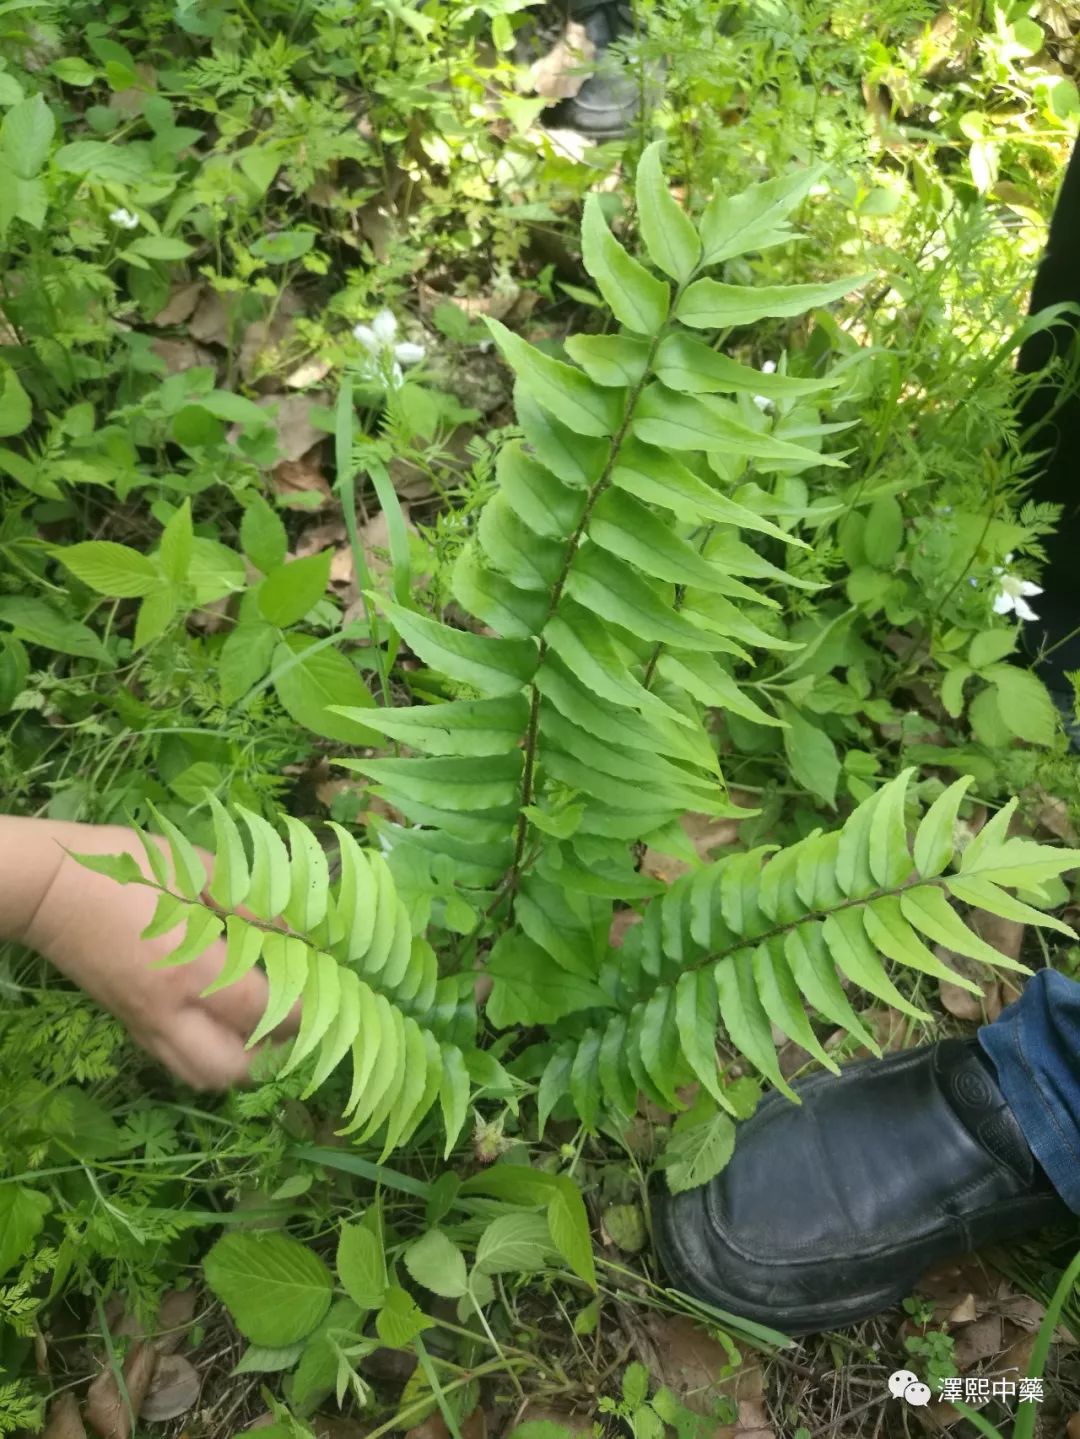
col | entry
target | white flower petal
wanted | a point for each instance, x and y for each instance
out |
(1024, 610)
(1009, 558)
(1028, 589)
(397, 376)
(1004, 604)
(769, 367)
(385, 327)
(763, 402)
(368, 338)
(124, 218)
(409, 354)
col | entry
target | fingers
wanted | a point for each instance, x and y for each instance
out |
(202, 1052)
(242, 1005)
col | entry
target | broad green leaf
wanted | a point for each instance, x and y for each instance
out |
(846, 940)
(990, 646)
(124, 868)
(576, 460)
(584, 1080)
(189, 872)
(448, 782)
(528, 989)
(567, 393)
(637, 299)
(290, 591)
(889, 931)
(15, 408)
(1024, 703)
(38, 623)
(453, 1095)
(492, 666)
(935, 841)
(462, 727)
(687, 364)
(438, 1264)
(884, 531)
(927, 909)
(231, 877)
(286, 961)
(400, 1319)
(245, 658)
(26, 136)
(314, 690)
(811, 754)
(111, 569)
(658, 1044)
(745, 1020)
(984, 894)
(339, 1037)
(660, 479)
(270, 878)
(890, 861)
(667, 231)
(22, 1218)
(102, 162)
(697, 1018)
(708, 681)
(612, 360)
(168, 913)
(511, 612)
(321, 999)
(782, 1002)
(243, 946)
(177, 544)
(602, 583)
(361, 1266)
(696, 1153)
(589, 654)
(514, 1244)
(160, 247)
(628, 529)
(527, 559)
(703, 422)
(755, 219)
(714, 305)
(155, 615)
(816, 976)
(310, 878)
(356, 896)
(568, 1225)
(543, 502)
(274, 1287)
(262, 535)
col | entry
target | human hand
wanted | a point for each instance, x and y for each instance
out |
(89, 926)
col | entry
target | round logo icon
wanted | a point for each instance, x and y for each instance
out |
(903, 1384)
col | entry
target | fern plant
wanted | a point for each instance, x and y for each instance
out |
(618, 574)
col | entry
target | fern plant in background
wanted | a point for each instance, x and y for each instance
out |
(618, 575)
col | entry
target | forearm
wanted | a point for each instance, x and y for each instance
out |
(32, 852)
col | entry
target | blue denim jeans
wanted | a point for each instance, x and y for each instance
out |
(1035, 1047)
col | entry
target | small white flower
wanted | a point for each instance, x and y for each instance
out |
(386, 356)
(769, 367)
(124, 218)
(1013, 593)
(385, 327)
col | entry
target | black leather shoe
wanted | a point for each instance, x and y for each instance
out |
(830, 1211)
(607, 104)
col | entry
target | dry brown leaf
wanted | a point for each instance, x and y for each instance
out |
(340, 1426)
(978, 1341)
(296, 433)
(301, 477)
(308, 374)
(106, 1411)
(173, 1390)
(498, 304)
(180, 305)
(64, 1421)
(560, 74)
(1072, 1429)
(965, 1312)
(180, 355)
(692, 1364)
(705, 832)
(174, 1318)
(210, 321)
(1023, 1311)
(434, 1427)
(539, 1413)
(1053, 815)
